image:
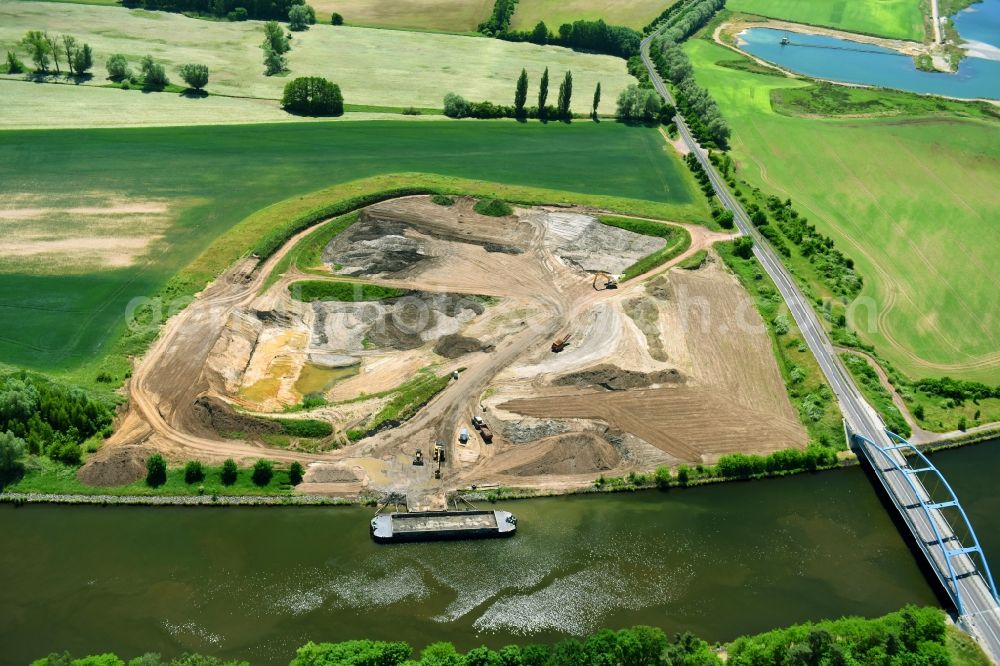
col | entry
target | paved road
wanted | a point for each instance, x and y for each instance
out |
(981, 617)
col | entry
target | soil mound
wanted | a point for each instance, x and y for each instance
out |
(572, 453)
(330, 474)
(372, 246)
(613, 378)
(505, 249)
(223, 419)
(660, 289)
(120, 466)
(453, 346)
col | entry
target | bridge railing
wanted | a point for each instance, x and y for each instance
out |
(927, 504)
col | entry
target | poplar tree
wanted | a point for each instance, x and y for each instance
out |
(543, 93)
(597, 100)
(565, 95)
(521, 94)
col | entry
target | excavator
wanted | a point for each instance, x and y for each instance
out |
(606, 279)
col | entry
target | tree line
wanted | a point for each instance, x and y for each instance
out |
(235, 10)
(47, 50)
(597, 36)
(695, 102)
(456, 106)
(911, 636)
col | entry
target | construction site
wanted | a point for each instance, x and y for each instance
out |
(459, 350)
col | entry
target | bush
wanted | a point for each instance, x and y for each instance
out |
(194, 472)
(743, 247)
(14, 64)
(443, 200)
(662, 477)
(156, 471)
(493, 208)
(229, 472)
(118, 69)
(11, 450)
(455, 106)
(196, 76)
(313, 96)
(336, 19)
(411, 111)
(312, 428)
(153, 74)
(263, 472)
(238, 14)
(66, 452)
(295, 473)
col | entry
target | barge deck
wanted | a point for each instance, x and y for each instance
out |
(442, 525)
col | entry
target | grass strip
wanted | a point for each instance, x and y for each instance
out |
(409, 398)
(308, 291)
(695, 261)
(677, 238)
(878, 397)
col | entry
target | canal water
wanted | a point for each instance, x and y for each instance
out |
(255, 583)
(836, 59)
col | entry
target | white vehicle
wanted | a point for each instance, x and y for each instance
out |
(463, 435)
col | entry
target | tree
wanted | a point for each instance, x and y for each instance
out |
(543, 94)
(53, 48)
(229, 472)
(274, 62)
(726, 219)
(336, 19)
(37, 44)
(521, 94)
(300, 17)
(118, 68)
(597, 101)
(11, 450)
(69, 47)
(196, 76)
(455, 106)
(238, 14)
(743, 247)
(274, 35)
(83, 60)
(156, 471)
(540, 35)
(918, 412)
(154, 75)
(295, 473)
(263, 471)
(683, 474)
(565, 95)
(194, 472)
(313, 96)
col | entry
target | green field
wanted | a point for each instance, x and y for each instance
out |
(897, 19)
(375, 67)
(911, 199)
(196, 183)
(633, 13)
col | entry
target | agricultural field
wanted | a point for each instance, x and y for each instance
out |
(373, 67)
(632, 13)
(96, 218)
(896, 19)
(436, 15)
(909, 196)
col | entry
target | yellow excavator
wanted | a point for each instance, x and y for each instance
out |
(609, 281)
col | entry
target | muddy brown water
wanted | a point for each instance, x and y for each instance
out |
(256, 583)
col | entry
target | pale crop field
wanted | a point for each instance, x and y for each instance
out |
(896, 19)
(440, 15)
(376, 67)
(912, 200)
(633, 13)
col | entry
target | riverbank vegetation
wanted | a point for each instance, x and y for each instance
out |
(909, 636)
(867, 380)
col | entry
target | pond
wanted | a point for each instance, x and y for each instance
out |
(837, 59)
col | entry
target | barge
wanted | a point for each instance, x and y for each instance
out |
(442, 525)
